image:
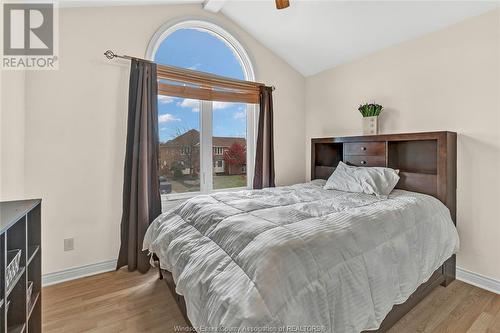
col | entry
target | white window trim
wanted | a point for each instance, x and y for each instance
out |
(206, 162)
(206, 179)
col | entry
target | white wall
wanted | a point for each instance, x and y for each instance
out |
(447, 80)
(76, 124)
(12, 134)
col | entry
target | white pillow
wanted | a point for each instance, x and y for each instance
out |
(370, 180)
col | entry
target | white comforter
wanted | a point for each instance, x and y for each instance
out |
(300, 256)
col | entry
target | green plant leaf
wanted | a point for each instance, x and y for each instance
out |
(370, 110)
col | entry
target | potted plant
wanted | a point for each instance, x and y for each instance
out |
(370, 114)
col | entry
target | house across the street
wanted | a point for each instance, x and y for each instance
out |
(181, 155)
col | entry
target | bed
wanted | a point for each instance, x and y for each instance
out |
(304, 258)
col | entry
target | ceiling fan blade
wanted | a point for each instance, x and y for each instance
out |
(281, 4)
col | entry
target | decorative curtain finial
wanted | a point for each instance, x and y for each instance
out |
(109, 54)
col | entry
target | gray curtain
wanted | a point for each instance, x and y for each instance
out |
(264, 153)
(141, 188)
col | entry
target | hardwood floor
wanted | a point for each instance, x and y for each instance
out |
(131, 302)
(110, 302)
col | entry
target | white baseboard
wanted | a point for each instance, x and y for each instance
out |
(478, 280)
(78, 272)
(464, 275)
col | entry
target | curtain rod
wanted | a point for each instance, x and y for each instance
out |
(111, 55)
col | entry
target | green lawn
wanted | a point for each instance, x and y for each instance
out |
(221, 182)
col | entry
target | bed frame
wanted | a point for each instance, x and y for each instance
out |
(427, 163)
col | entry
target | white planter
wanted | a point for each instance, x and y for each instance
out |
(370, 125)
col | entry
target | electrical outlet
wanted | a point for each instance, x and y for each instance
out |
(69, 244)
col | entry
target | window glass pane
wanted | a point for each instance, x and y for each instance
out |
(179, 129)
(180, 126)
(229, 145)
(199, 50)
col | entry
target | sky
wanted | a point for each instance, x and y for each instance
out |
(199, 50)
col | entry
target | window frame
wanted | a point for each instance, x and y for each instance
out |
(206, 107)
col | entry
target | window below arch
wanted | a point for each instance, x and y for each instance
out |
(204, 145)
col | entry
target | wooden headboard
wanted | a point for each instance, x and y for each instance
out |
(427, 162)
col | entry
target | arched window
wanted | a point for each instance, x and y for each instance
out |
(204, 145)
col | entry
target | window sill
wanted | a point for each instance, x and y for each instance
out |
(179, 196)
(189, 195)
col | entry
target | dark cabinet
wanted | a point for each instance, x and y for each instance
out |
(21, 266)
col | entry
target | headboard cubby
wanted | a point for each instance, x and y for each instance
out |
(427, 162)
(326, 155)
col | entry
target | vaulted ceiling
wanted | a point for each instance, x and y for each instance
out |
(314, 35)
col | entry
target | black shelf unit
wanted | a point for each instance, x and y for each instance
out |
(20, 229)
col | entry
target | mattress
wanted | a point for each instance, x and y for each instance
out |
(300, 257)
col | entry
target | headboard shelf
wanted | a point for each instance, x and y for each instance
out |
(426, 161)
(328, 154)
(419, 171)
(418, 156)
